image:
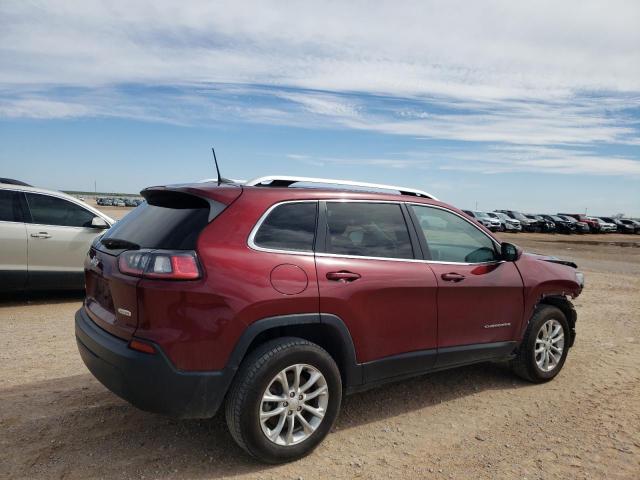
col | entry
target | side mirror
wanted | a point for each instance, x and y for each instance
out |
(510, 252)
(99, 222)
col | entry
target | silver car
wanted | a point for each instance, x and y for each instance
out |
(45, 236)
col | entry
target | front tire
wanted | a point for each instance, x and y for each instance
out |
(544, 347)
(284, 400)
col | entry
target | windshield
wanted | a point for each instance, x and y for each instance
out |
(480, 214)
(556, 218)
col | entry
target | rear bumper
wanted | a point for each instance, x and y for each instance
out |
(149, 382)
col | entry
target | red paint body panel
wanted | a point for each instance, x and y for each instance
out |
(390, 309)
(488, 295)
(107, 290)
(542, 278)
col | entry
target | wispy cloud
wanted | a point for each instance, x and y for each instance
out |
(541, 86)
(493, 160)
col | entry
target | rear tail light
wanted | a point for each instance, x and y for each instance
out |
(160, 264)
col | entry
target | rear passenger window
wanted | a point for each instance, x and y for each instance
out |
(10, 210)
(290, 226)
(368, 230)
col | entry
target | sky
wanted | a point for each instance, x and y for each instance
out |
(533, 106)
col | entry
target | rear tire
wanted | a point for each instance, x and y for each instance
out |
(270, 413)
(544, 347)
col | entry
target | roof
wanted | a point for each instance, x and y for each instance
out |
(11, 181)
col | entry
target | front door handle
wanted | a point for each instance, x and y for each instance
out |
(343, 277)
(452, 277)
(41, 235)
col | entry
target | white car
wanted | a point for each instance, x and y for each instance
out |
(44, 237)
(605, 227)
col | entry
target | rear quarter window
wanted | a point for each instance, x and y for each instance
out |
(290, 226)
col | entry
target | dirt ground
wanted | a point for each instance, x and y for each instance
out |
(57, 421)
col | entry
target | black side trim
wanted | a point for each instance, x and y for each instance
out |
(351, 370)
(480, 352)
(24, 208)
(404, 364)
(418, 233)
(407, 365)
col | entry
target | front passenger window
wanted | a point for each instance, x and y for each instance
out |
(48, 210)
(451, 238)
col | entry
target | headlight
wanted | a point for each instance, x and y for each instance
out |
(580, 279)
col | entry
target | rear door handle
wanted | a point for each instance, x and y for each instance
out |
(41, 235)
(452, 277)
(343, 277)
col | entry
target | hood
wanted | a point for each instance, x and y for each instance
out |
(552, 259)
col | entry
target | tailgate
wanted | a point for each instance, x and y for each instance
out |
(111, 299)
(170, 219)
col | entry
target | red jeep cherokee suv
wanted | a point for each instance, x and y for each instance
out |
(276, 301)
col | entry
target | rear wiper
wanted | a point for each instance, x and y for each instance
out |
(112, 243)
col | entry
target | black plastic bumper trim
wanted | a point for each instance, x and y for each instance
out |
(149, 382)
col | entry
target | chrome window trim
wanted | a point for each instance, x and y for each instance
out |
(393, 259)
(251, 240)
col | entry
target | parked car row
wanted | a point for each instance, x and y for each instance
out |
(118, 201)
(514, 221)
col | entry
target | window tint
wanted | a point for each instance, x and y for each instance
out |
(367, 229)
(291, 226)
(453, 239)
(47, 210)
(10, 210)
(172, 226)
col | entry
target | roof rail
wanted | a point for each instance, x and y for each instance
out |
(286, 181)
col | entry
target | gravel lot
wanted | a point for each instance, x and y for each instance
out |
(56, 421)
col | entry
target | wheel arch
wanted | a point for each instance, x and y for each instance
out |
(326, 330)
(564, 304)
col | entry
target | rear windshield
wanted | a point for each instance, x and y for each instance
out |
(163, 227)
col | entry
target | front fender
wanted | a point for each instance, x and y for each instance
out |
(541, 279)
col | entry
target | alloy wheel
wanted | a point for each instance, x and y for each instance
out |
(294, 404)
(549, 345)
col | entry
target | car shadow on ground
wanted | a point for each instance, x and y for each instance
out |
(74, 427)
